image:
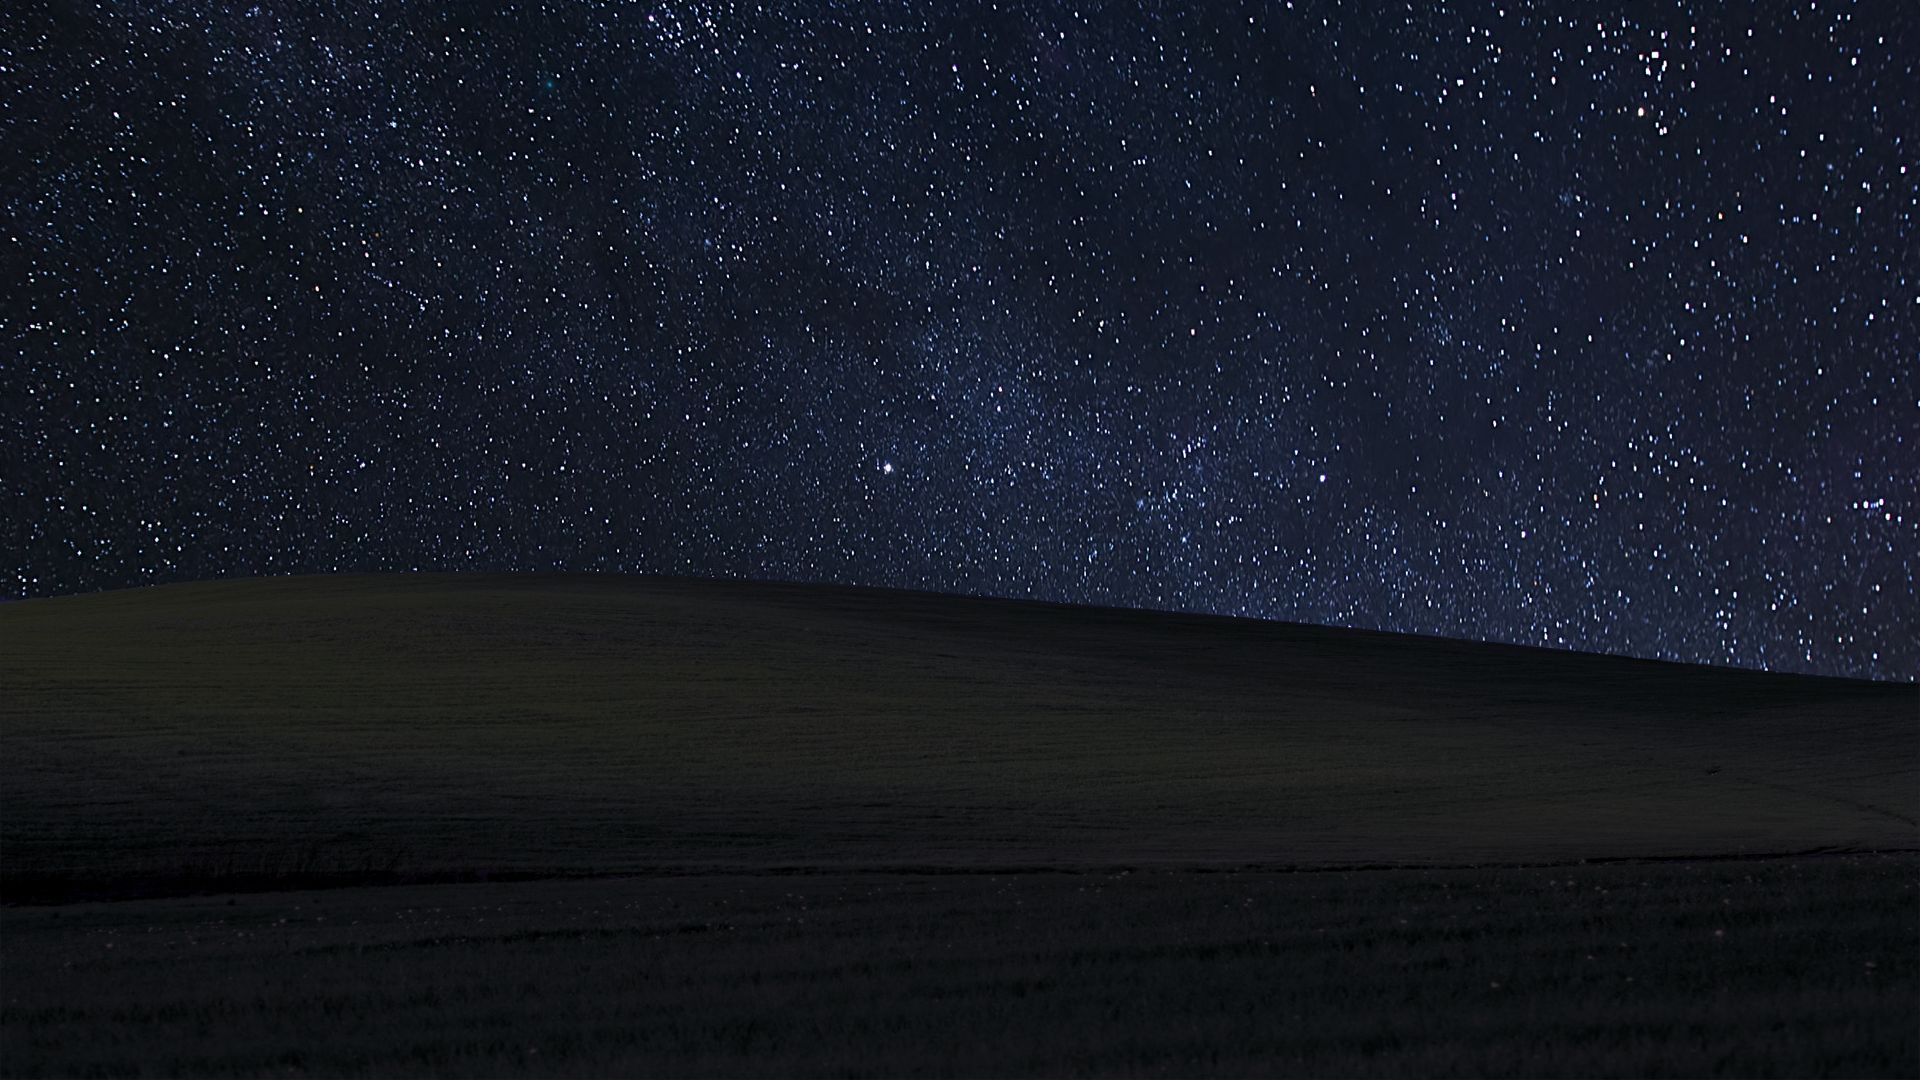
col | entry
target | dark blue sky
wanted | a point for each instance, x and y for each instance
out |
(1519, 321)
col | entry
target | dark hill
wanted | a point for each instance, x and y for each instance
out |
(464, 725)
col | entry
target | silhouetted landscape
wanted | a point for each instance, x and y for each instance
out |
(948, 539)
(542, 825)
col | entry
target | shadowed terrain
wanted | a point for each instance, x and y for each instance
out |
(833, 829)
(555, 725)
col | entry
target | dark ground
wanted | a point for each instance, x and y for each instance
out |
(1775, 968)
(788, 828)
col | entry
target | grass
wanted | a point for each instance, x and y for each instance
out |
(1768, 968)
(446, 725)
(636, 825)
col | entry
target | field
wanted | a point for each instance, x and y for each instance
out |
(546, 825)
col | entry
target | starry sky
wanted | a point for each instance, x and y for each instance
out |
(1580, 325)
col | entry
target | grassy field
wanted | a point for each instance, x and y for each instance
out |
(1771, 968)
(773, 828)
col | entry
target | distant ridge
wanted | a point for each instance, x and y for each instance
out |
(441, 727)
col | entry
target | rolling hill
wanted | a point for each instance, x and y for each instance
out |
(623, 826)
(454, 726)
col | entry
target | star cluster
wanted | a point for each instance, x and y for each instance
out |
(1523, 321)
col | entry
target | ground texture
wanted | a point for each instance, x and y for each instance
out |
(462, 824)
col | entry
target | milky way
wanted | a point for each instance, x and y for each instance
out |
(1516, 322)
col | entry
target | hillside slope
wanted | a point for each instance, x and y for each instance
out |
(467, 724)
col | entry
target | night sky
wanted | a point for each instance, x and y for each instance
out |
(1516, 322)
